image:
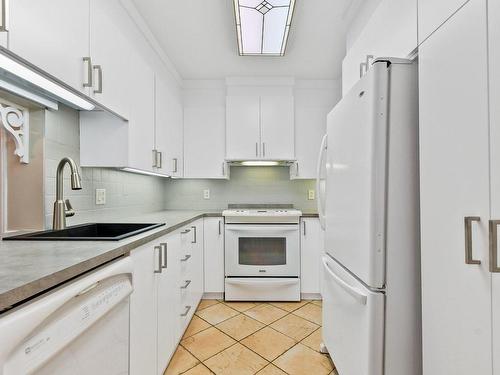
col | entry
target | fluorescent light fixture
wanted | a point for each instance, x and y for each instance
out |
(140, 171)
(262, 26)
(23, 72)
(260, 163)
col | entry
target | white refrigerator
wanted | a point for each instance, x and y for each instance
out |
(369, 207)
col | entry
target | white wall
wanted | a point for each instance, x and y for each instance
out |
(126, 193)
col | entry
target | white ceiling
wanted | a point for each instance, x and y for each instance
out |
(199, 37)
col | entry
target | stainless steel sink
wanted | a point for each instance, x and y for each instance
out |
(88, 232)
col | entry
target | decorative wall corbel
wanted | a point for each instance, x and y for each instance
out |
(15, 122)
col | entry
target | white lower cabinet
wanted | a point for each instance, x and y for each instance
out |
(167, 273)
(168, 285)
(143, 311)
(311, 252)
(455, 144)
(214, 255)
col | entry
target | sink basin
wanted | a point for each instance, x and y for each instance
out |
(88, 232)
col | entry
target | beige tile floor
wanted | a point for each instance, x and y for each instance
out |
(240, 338)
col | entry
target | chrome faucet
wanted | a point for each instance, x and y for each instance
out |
(63, 209)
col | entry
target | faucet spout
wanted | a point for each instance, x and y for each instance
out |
(60, 212)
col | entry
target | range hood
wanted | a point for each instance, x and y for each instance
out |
(21, 78)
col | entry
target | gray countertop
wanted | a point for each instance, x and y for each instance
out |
(28, 268)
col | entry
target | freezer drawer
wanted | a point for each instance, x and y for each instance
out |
(353, 322)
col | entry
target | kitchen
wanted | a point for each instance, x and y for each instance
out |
(249, 187)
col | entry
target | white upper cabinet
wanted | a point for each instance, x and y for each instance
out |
(433, 13)
(312, 105)
(454, 177)
(204, 133)
(169, 124)
(390, 32)
(277, 127)
(111, 53)
(260, 127)
(243, 127)
(53, 35)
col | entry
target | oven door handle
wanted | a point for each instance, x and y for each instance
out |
(263, 282)
(261, 228)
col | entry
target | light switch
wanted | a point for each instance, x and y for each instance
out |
(206, 194)
(100, 196)
(311, 194)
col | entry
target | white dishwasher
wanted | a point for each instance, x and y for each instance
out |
(81, 328)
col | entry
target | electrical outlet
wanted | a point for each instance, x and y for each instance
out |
(311, 195)
(206, 194)
(100, 196)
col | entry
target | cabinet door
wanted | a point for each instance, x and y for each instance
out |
(214, 254)
(494, 55)
(432, 14)
(168, 299)
(143, 311)
(311, 251)
(197, 262)
(110, 49)
(204, 142)
(310, 127)
(277, 127)
(169, 132)
(141, 114)
(53, 35)
(454, 168)
(242, 127)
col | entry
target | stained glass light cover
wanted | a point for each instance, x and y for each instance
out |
(262, 26)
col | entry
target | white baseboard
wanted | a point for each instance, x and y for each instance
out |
(311, 296)
(213, 295)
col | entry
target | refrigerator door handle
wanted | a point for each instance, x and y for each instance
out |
(354, 292)
(321, 160)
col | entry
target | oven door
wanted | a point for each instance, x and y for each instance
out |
(266, 250)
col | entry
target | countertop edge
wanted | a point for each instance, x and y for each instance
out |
(22, 293)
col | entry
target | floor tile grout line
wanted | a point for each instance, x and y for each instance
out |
(296, 342)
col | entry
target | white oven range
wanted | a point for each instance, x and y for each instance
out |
(262, 254)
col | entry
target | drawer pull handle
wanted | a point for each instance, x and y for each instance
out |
(186, 285)
(187, 311)
(185, 258)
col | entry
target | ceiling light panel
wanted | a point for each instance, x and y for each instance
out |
(263, 26)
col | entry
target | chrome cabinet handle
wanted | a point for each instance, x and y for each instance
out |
(186, 231)
(219, 229)
(264, 149)
(187, 311)
(362, 69)
(468, 239)
(155, 158)
(88, 60)
(159, 159)
(99, 75)
(186, 284)
(164, 247)
(493, 226)
(186, 258)
(257, 149)
(304, 227)
(223, 169)
(174, 169)
(160, 259)
(194, 235)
